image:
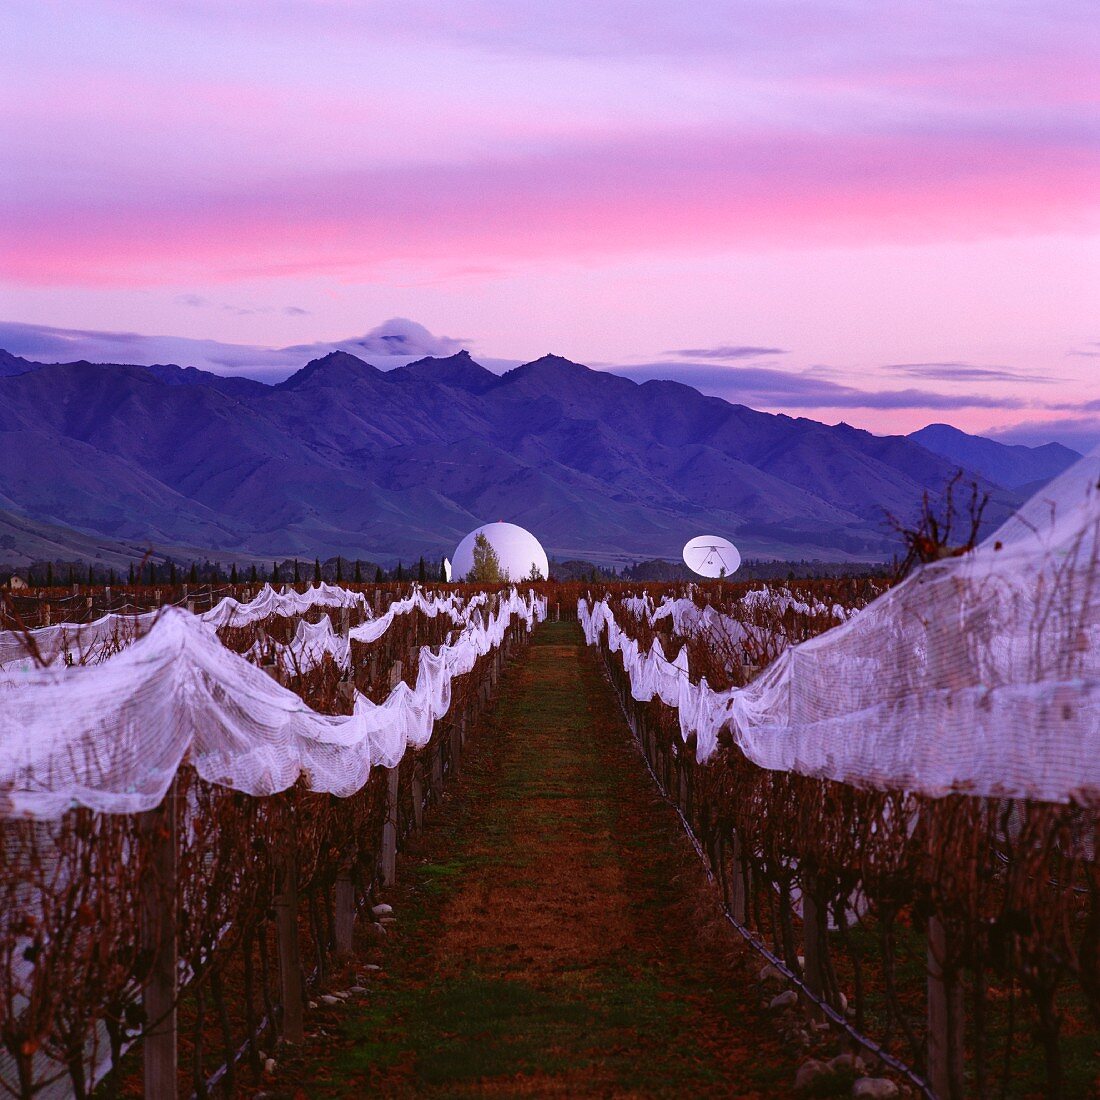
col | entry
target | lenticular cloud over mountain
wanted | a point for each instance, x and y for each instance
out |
(397, 341)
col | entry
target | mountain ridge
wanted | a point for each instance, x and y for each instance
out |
(345, 458)
(1012, 465)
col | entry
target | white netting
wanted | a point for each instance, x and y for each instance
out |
(430, 606)
(978, 674)
(268, 602)
(312, 642)
(87, 643)
(110, 736)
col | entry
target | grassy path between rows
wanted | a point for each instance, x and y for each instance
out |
(555, 936)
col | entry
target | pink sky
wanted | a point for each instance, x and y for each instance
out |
(897, 198)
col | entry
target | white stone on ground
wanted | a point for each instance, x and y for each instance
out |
(874, 1088)
(808, 1073)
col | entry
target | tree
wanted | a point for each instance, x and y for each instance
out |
(422, 571)
(274, 572)
(297, 573)
(91, 576)
(944, 529)
(358, 571)
(339, 570)
(486, 568)
(316, 570)
(193, 574)
(130, 579)
(111, 578)
(252, 575)
(400, 574)
(535, 575)
(172, 575)
(443, 570)
(378, 578)
(233, 577)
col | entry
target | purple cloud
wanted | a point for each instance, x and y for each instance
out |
(769, 388)
(1089, 351)
(728, 351)
(966, 372)
(392, 343)
(1079, 433)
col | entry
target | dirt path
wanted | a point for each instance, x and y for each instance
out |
(549, 920)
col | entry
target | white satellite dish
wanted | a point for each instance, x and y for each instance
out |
(712, 556)
(446, 569)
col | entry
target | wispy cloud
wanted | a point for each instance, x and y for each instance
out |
(197, 301)
(765, 387)
(728, 351)
(1089, 351)
(1081, 433)
(967, 372)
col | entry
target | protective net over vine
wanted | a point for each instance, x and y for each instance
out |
(111, 736)
(87, 643)
(977, 674)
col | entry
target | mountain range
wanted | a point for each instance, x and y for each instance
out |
(345, 458)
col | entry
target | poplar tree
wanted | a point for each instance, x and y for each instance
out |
(486, 568)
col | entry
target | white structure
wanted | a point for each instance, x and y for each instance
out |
(712, 556)
(517, 549)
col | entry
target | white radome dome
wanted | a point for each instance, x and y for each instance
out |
(517, 549)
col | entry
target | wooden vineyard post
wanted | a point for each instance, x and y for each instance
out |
(417, 799)
(286, 928)
(343, 903)
(811, 940)
(739, 902)
(389, 827)
(437, 767)
(945, 1019)
(159, 921)
(457, 737)
(393, 786)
